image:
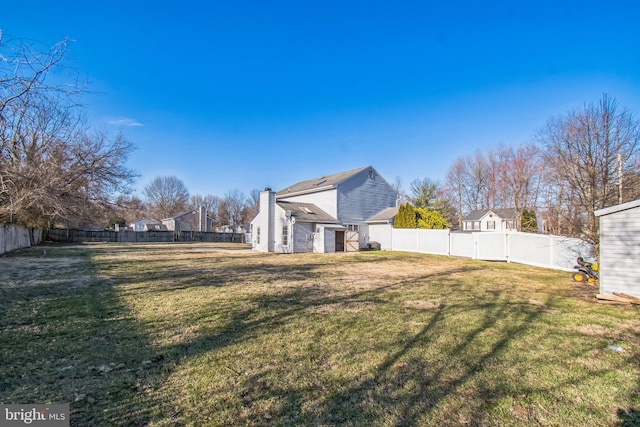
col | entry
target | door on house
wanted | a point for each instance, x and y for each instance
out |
(352, 241)
(339, 240)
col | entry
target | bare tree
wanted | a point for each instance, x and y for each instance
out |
(253, 206)
(130, 208)
(518, 181)
(454, 188)
(166, 196)
(476, 180)
(52, 169)
(208, 201)
(590, 151)
(401, 196)
(234, 203)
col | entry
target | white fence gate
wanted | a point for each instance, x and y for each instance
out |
(525, 248)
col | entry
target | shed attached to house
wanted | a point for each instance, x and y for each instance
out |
(620, 248)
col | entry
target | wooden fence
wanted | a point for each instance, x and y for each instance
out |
(14, 237)
(81, 236)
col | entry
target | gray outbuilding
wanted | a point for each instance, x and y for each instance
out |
(620, 248)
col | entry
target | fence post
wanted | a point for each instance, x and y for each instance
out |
(507, 247)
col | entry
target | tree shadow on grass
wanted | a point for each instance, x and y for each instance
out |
(84, 346)
(70, 340)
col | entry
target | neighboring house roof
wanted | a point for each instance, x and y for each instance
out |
(155, 227)
(306, 212)
(191, 212)
(146, 221)
(386, 215)
(617, 208)
(477, 215)
(319, 184)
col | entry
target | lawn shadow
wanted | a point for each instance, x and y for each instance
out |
(69, 339)
(91, 349)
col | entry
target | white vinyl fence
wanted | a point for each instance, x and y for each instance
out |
(538, 250)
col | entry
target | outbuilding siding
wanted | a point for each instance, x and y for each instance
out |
(302, 237)
(620, 252)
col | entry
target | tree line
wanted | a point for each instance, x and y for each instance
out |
(582, 161)
(54, 169)
(167, 196)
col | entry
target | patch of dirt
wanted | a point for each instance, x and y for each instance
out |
(584, 290)
(29, 271)
(348, 307)
(593, 330)
(422, 304)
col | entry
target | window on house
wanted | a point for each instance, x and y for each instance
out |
(258, 235)
(353, 227)
(473, 225)
(285, 235)
(491, 225)
(510, 224)
(371, 173)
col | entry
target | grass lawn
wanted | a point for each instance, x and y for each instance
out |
(184, 334)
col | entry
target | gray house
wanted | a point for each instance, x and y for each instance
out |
(620, 248)
(325, 214)
(195, 220)
(143, 224)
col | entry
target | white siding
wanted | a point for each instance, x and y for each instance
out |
(262, 224)
(325, 200)
(620, 252)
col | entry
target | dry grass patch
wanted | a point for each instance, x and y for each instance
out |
(186, 334)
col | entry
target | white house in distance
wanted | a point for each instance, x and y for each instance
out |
(325, 214)
(490, 220)
(620, 248)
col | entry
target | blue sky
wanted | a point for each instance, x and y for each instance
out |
(246, 94)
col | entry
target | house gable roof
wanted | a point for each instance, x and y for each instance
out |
(617, 208)
(146, 221)
(306, 212)
(155, 227)
(191, 212)
(477, 215)
(322, 183)
(385, 215)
